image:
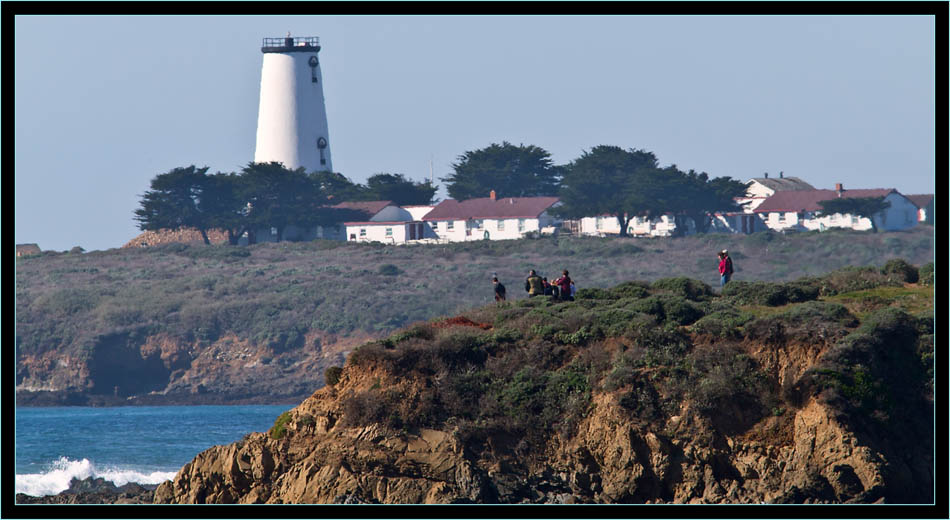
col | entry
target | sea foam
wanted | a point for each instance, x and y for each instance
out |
(62, 471)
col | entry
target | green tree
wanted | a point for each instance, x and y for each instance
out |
(279, 197)
(174, 202)
(866, 207)
(613, 181)
(695, 196)
(509, 170)
(398, 189)
(336, 187)
(226, 205)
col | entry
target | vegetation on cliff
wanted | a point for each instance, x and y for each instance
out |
(130, 322)
(657, 346)
(814, 390)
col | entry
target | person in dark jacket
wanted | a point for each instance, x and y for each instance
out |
(725, 268)
(547, 286)
(499, 290)
(533, 284)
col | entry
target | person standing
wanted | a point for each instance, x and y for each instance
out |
(533, 284)
(564, 286)
(499, 290)
(725, 268)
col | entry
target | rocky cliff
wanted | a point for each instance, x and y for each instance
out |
(621, 397)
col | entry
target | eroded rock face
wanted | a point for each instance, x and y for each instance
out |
(802, 456)
(161, 369)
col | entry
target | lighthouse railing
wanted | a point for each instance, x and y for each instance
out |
(295, 41)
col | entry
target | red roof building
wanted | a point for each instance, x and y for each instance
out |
(491, 208)
(807, 200)
(801, 211)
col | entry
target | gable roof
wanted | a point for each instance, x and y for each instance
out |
(921, 201)
(783, 183)
(808, 200)
(507, 207)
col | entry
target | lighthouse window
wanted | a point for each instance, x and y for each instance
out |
(321, 145)
(313, 68)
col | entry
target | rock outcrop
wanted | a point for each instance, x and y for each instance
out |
(802, 455)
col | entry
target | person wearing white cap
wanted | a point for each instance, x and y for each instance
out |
(725, 267)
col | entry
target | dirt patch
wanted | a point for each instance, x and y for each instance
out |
(460, 321)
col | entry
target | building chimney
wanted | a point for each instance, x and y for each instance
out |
(839, 188)
(492, 195)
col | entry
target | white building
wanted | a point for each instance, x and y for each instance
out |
(390, 225)
(758, 190)
(491, 218)
(603, 225)
(292, 118)
(798, 211)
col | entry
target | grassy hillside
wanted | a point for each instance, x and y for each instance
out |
(292, 296)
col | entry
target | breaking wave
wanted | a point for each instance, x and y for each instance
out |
(56, 479)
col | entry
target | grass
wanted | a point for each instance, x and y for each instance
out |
(276, 295)
(914, 299)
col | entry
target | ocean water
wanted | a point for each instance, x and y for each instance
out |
(143, 444)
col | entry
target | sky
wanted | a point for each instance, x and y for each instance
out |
(103, 104)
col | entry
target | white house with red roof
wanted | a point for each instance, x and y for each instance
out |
(491, 218)
(798, 211)
(758, 190)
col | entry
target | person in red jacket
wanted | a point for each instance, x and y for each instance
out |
(725, 267)
(564, 286)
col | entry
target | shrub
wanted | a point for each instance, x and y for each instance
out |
(278, 430)
(684, 287)
(679, 311)
(879, 371)
(726, 374)
(389, 270)
(925, 275)
(850, 279)
(332, 375)
(632, 289)
(722, 324)
(593, 293)
(901, 270)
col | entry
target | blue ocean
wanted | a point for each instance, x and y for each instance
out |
(143, 444)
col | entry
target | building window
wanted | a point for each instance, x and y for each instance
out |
(598, 223)
(389, 232)
(781, 218)
(501, 225)
(520, 225)
(450, 225)
(362, 232)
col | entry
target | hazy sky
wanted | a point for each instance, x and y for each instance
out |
(105, 103)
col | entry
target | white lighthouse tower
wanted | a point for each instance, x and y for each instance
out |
(292, 120)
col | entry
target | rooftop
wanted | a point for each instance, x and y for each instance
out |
(506, 207)
(783, 183)
(803, 200)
